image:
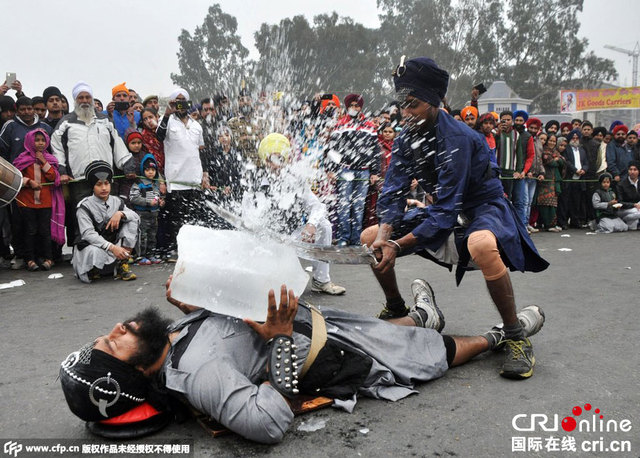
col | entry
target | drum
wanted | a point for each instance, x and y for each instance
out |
(10, 182)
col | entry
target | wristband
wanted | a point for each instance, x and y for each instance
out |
(282, 365)
(398, 247)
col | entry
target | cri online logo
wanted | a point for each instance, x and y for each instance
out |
(570, 423)
(597, 423)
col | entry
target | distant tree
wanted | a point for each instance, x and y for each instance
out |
(213, 59)
(531, 44)
(335, 54)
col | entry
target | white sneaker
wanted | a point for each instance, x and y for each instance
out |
(531, 318)
(532, 230)
(327, 288)
(424, 299)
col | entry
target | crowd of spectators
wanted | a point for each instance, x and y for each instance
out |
(167, 161)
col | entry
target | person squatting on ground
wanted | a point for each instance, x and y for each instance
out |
(107, 230)
(146, 199)
(451, 162)
(606, 206)
(243, 373)
(629, 196)
(304, 216)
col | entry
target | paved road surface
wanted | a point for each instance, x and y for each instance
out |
(586, 353)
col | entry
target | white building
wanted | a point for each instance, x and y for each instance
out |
(500, 97)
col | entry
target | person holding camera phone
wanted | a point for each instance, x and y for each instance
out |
(184, 171)
(120, 110)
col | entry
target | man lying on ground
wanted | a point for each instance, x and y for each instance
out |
(243, 373)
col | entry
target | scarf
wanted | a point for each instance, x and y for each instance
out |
(386, 146)
(28, 158)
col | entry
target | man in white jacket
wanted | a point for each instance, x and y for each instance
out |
(82, 137)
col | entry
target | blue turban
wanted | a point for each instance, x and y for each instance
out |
(615, 124)
(522, 113)
(574, 132)
(421, 78)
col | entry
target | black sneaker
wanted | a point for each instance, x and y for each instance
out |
(425, 301)
(124, 272)
(519, 359)
(387, 313)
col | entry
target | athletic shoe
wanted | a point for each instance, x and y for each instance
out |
(387, 313)
(425, 301)
(172, 256)
(144, 262)
(519, 359)
(554, 229)
(124, 272)
(327, 288)
(155, 260)
(531, 229)
(531, 318)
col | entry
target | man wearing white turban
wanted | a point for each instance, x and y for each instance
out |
(184, 171)
(81, 137)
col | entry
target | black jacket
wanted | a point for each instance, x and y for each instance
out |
(628, 195)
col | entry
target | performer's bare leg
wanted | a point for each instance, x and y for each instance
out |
(467, 348)
(484, 252)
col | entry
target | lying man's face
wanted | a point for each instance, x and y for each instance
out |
(109, 376)
(140, 341)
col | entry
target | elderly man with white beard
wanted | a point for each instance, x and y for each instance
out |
(81, 137)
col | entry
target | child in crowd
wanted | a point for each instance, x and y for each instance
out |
(133, 139)
(146, 198)
(293, 209)
(107, 230)
(41, 206)
(606, 205)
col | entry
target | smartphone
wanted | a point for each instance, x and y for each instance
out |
(183, 104)
(121, 106)
(480, 87)
(10, 78)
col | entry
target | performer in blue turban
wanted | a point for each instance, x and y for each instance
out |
(470, 223)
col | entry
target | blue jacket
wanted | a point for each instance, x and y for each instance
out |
(144, 191)
(12, 136)
(121, 122)
(618, 158)
(459, 174)
(455, 166)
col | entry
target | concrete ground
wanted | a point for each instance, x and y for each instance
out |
(586, 353)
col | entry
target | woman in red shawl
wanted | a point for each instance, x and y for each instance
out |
(149, 140)
(386, 136)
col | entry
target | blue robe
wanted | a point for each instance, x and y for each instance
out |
(455, 167)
